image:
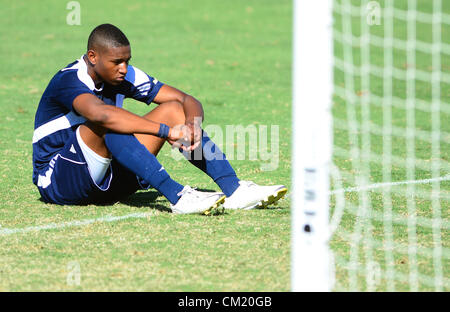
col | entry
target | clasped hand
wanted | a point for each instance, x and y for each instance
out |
(187, 137)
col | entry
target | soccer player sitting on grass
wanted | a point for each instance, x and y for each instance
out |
(87, 149)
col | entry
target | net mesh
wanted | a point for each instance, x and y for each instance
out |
(391, 155)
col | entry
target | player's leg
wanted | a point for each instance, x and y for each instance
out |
(211, 160)
(208, 157)
(128, 151)
(169, 113)
(67, 180)
(136, 158)
(93, 137)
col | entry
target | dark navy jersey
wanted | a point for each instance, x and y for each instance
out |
(56, 120)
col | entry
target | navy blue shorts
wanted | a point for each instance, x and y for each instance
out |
(67, 181)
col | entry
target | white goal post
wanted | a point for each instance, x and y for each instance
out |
(311, 145)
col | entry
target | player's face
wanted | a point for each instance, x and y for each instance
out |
(112, 64)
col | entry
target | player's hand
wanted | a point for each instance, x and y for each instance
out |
(180, 137)
(196, 134)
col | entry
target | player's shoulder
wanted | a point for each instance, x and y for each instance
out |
(137, 76)
(74, 74)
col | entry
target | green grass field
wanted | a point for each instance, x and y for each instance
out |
(235, 57)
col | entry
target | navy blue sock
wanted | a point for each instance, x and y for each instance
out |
(210, 159)
(134, 156)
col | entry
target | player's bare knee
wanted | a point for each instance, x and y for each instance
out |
(93, 136)
(96, 129)
(174, 113)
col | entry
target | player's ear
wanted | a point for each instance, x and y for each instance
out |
(92, 57)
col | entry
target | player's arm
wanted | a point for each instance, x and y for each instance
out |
(117, 119)
(193, 109)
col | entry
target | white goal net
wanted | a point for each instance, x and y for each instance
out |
(389, 195)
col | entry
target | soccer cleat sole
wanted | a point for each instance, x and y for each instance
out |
(216, 208)
(272, 199)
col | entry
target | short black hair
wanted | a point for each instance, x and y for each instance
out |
(107, 35)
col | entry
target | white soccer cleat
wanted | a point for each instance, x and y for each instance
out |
(192, 201)
(250, 195)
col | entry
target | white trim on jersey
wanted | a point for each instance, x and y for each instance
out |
(83, 75)
(139, 76)
(139, 79)
(63, 122)
(70, 119)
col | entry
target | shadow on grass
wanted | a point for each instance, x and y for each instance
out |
(149, 199)
(141, 199)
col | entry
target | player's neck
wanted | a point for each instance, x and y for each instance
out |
(97, 80)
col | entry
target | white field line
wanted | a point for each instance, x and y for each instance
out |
(51, 226)
(75, 223)
(380, 185)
